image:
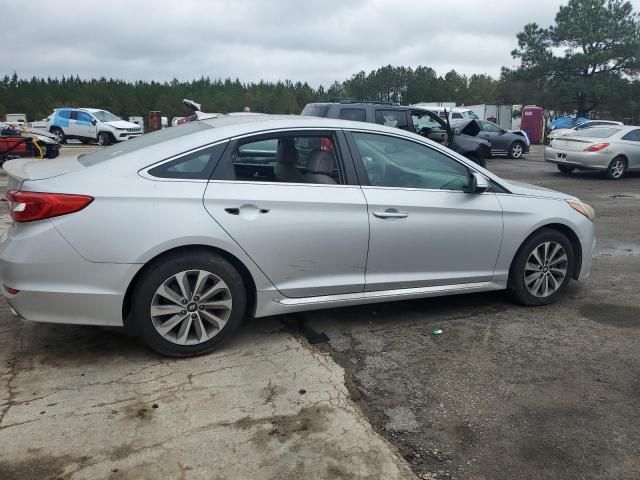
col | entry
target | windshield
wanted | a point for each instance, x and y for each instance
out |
(315, 110)
(104, 116)
(469, 115)
(595, 132)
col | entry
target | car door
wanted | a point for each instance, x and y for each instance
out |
(496, 135)
(72, 130)
(426, 230)
(631, 148)
(84, 125)
(291, 201)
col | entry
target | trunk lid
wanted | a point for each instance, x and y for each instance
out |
(23, 169)
(574, 144)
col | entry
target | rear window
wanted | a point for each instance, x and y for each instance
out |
(141, 142)
(315, 110)
(596, 132)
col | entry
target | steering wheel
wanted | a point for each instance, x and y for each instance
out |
(376, 170)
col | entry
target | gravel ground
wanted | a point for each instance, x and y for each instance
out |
(507, 391)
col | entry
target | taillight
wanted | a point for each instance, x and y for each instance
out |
(32, 206)
(596, 148)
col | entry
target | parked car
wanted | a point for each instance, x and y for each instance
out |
(413, 119)
(260, 215)
(613, 150)
(561, 132)
(91, 125)
(17, 140)
(503, 142)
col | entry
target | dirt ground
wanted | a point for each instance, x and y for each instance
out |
(506, 391)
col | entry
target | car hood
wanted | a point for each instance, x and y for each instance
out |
(122, 124)
(521, 188)
(467, 127)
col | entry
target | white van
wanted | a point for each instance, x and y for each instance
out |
(455, 113)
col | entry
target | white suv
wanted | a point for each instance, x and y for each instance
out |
(90, 125)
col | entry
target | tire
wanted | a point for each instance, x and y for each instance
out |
(516, 150)
(528, 291)
(104, 139)
(616, 169)
(185, 319)
(59, 134)
(478, 158)
(566, 168)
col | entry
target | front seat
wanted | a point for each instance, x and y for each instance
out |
(286, 169)
(320, 166)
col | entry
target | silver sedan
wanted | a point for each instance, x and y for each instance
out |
(181, 234)
(612, 150)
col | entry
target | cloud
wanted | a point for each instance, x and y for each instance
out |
(312, 40)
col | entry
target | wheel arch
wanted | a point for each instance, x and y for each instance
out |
(247, 278)
(567, 232)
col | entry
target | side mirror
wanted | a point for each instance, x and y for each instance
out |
(457, 131)
(93, 121)
(478, 183)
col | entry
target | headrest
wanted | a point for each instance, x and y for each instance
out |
(286, 153)
(320, 162)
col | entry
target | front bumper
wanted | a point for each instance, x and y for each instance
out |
(55, 283)
(583, 160)
(121, 135)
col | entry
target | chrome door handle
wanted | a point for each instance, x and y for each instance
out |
(390, 214)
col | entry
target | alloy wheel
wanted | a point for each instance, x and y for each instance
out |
(191, 307)
(516, 150)
(59, 135)
(617, 168)
(546, 269)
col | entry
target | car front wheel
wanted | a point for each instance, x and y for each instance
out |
(516, 150)
(58, 134)
(188, 305)
(104, 139)
(542, 268)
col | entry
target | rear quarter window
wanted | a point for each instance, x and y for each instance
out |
(315, 110)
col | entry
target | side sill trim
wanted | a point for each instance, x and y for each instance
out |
(402, 292)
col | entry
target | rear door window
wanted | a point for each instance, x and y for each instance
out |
(73, 115)
(392, 118)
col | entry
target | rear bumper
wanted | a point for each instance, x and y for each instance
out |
(55, 283)
(585, 160)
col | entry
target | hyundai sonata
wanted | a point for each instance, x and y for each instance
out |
(181, 234)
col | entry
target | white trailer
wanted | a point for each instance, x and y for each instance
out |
(16, 118)
(500, 114)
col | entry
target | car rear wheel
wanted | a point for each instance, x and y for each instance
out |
(616, 169)
(188, 305)
(59, 134)
(566, 168)
(104, 139)
(542, 268)
(516, 150)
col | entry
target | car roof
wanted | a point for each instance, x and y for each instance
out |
(435, 108)
(234, 125)
(91, 110)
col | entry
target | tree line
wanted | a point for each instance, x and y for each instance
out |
(588, 62)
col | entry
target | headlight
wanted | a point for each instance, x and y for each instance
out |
(583, 208)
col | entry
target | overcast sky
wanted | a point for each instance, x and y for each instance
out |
(306, 40)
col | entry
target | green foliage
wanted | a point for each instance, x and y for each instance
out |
(593, 46)
(37, 97)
